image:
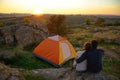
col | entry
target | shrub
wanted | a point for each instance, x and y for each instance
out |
(1, 24)
(26, 20)
(43, 21)
(99, 22)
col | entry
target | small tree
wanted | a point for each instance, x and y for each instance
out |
(100, 22)
(88, 21)
(56, 25)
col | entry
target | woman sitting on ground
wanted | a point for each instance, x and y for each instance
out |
(81, 67)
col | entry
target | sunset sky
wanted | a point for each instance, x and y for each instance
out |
(111, 7)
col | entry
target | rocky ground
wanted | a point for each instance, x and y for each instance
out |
(68, 74)
(7, 73)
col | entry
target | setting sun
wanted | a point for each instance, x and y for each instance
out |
(38, 12)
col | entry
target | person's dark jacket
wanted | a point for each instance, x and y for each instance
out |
(94, 60)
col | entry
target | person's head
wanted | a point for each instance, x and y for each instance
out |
(87, 46)
(94, 44)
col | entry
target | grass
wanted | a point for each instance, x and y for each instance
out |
(27, 61)
(30, 47)
(111, 66)
(109, 43)
(111, 46)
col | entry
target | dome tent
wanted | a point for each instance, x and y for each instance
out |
(56, 50)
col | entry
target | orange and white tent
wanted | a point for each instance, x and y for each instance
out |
(55, 50)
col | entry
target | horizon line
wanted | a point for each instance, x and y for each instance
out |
(61, 14)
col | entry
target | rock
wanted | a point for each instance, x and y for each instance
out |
(7, 73)
(49, 73)
(2, 41)
(19, 34)
(7, 34)
(6, 54)
(117, 40)
(26, 35)
(40, 26)
(67, 74)
(88, 76)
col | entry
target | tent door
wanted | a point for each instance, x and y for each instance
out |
(65, 50)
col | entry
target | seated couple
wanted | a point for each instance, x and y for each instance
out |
(89, 60)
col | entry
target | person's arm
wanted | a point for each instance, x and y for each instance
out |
(82, 58)
(101, 51)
